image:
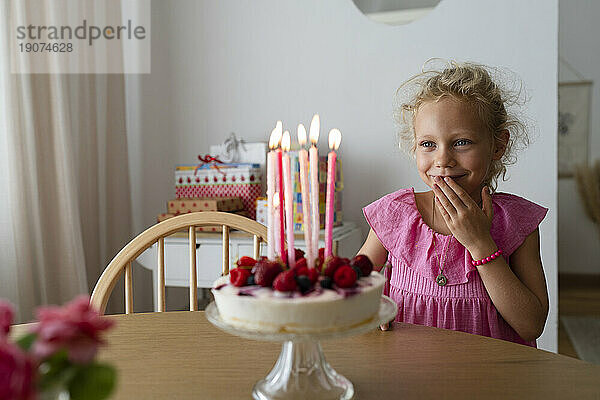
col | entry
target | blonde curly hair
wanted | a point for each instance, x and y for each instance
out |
(474, 84)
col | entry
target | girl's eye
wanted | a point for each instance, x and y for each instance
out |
(462, 142)
(426, 144)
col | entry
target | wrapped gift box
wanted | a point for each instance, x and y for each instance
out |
(228, 180)
(261, 210)
(235, 150)
(183, 205)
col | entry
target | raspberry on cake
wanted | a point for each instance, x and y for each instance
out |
(301, 263)
(239, 276)
(285, 282)
(345, 276)
(313, 275)
(363, 263)
(331, 264)
(265, 272)
(246, 262)
(299, 271)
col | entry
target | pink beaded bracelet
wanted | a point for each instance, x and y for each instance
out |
(486, 260)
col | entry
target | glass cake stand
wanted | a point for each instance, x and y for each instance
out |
(301, 371)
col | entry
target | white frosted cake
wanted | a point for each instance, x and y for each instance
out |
(308, 302)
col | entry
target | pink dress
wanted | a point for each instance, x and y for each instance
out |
(463, 304)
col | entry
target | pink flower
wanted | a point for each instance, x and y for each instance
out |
(16, 373)
(6, 318)
(74, 327)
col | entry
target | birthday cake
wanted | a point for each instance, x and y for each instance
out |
(268, 296)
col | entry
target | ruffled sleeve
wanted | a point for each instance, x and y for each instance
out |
(515, 218)
(387, 218)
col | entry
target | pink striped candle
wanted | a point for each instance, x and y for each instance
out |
(315, 126)
(304, 190)
(335, 137)
(289, 203)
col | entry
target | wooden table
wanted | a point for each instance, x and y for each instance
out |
(180, 355)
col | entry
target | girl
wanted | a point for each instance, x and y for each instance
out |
(461, 256)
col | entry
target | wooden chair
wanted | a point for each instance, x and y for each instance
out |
(156, 234)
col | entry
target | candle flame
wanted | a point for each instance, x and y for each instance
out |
(275, 139)
(335, 137)
(315, 127)
(276, 199)
(286, 141)
(301, 135)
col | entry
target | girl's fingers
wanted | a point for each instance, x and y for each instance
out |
(443, 211)
(450, 194)
(443, 200)
(460, 192)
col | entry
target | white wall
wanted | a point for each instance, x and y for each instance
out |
(579, 237)
(239, 66)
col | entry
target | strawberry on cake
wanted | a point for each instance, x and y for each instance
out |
(266, 295)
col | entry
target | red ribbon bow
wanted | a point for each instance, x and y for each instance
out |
(208, 159)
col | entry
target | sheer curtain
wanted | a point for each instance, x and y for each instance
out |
(65, 204)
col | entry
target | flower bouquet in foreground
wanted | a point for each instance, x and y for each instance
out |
(56, 359)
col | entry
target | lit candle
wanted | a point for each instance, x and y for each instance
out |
(271, 163)
(335, 137)
(304, 189)
(315, 126)
(281, 238)
(289, 203)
